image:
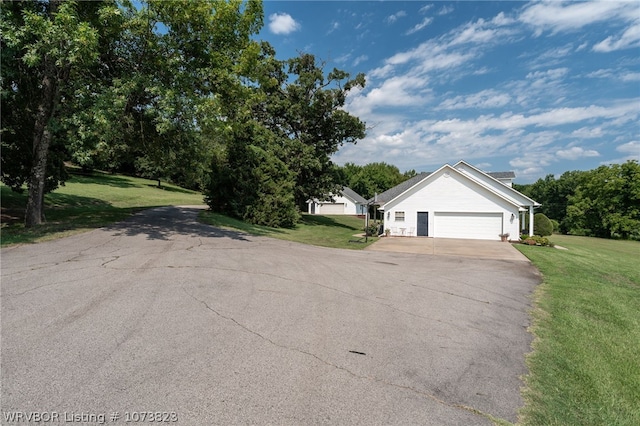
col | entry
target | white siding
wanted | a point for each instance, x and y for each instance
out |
(340, 205)
(447, 191)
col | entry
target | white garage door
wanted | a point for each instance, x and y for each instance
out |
(329, 208)
(475, 226)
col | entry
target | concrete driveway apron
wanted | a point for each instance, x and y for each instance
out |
(162, 314)
(480, 249)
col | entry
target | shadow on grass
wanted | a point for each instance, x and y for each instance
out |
(99, 178)
(171, 189)
(220, 220)
(314, 220)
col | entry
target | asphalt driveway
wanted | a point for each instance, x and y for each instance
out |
(162, 314)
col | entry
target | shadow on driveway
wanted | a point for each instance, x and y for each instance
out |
(163, 222)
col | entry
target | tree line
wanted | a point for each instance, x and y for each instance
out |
(604, 202)
(176, 91)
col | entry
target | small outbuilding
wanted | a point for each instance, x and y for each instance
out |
(458, 201)
(347, 202)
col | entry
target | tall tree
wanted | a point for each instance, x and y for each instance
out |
(51, 42)
(303, 105)
(373, 178)
(125, 85)
(607, 203)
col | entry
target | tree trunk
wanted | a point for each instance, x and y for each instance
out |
(41, 142)
(34, 214)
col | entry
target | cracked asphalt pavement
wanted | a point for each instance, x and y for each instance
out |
(161, 313)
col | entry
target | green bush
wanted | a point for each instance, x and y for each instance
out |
(372, 229)
(542, 225)
(536, 240)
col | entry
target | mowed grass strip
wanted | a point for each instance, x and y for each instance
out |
(87, 202)
(337, 231)
(585, 364)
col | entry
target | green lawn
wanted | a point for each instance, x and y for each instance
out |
(585, 366)
(87, 202)
(327, 231)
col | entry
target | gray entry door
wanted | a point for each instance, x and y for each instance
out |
(423, 224)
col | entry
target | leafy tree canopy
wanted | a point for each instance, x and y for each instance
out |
(604, 202)
(372, 178)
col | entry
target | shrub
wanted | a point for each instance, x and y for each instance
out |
(542, 225)
(536, 240)
(556, 226)
(373, 229)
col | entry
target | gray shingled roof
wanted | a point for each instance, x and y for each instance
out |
(392, 193)
(502, 175)
(348, 192)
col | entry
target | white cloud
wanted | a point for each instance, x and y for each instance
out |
(587, 132)
(629, 39)
(445, 10)
(426, 21)
(530, 139)
(632, 147)
(558, 16)
(282, 23)
(552, 57)
(343, 58)
(483, 32)
(485, 99)
(334, 26)
(393, 92)
(601, 73)
(576, 152)
(630, 76)
(362, 58)
(393, 18)
(553, 74)
(562, 16)
(426, 8)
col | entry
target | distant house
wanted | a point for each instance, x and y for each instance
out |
(458, 201)
(347, 202)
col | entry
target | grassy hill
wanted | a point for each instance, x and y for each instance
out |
(584, 369)
(339, 231)
(87, 202)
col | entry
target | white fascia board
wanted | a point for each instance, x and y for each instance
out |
(509, 189)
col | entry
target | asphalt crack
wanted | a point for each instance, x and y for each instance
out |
(346, 370)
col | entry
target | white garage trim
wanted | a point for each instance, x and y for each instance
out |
(475, 225)
(331, 208)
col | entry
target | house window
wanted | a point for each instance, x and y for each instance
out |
(399, 216)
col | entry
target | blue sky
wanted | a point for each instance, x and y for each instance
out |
(534, 87)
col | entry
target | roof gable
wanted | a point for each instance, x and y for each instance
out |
(489, 180)
(353, 195)
(449, 169)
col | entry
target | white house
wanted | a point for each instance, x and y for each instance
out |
(457, 201)
(348, 202)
